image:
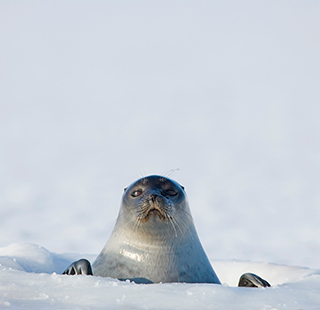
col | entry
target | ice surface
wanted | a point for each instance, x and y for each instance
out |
(33, 284)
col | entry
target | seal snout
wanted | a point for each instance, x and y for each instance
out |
(154, 205)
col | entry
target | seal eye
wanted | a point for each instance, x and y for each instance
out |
(136, 193)
(171, 192)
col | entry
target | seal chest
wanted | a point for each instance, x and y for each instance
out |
(154, 239)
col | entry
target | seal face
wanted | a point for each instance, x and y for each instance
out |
(154, 239)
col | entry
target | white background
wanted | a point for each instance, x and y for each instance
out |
(95, 94)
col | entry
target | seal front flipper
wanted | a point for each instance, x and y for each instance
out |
(81, 266)
(252, 280)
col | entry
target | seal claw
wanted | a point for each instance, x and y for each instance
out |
(81, 266)
(252, 280)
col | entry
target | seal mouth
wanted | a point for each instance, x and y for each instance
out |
(155, 212)
(153, 206)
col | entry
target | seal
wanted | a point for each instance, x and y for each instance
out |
(154, 239)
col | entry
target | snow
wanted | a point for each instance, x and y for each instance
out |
(221, 96)
(30, 279)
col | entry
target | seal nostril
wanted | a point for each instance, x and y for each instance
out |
(153, 197)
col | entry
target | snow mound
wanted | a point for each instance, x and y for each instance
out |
(31, 258)
(29, 279)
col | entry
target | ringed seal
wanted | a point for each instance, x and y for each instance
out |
(154, 240)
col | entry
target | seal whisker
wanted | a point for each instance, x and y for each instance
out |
(174, 223)
(136, 224)
(179, 221)
(128, 223)
(127, 220)
(186, 212)
(170, 172)
(180, 224)
(123, 213)
(141, 171)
